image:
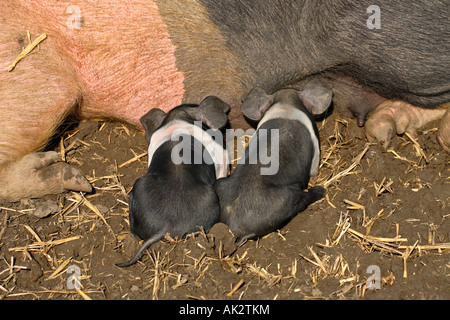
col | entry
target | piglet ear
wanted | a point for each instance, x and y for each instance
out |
(316, 96)
(256, 103)
(212, 111)
(152, 121)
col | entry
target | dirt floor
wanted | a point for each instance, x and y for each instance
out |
(386, 216)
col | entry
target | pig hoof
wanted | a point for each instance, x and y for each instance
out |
(37, 175)
(72, 179)
(61, 176)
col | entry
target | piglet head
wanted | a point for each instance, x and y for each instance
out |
(315, 95)
(212, 111)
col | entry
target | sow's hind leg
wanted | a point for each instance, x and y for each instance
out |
(34, 99)
(444, 130)
(397, 117)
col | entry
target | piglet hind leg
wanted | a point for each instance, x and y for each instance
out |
(309, 197)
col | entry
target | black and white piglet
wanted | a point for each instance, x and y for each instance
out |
(176, 195)
(257, 199)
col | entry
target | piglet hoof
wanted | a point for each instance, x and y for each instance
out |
(381, 128)
(444, 132)
(37, 175)
(224, 241)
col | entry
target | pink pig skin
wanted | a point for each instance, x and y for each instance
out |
(101, 70)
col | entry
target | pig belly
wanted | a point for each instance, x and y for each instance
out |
(119, 52)
(128, 62)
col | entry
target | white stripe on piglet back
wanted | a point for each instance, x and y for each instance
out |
(285, 111)
(178, 127)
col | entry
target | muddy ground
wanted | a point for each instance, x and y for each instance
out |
(387, 212)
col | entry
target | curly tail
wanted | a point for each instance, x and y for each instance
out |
(141, 250)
